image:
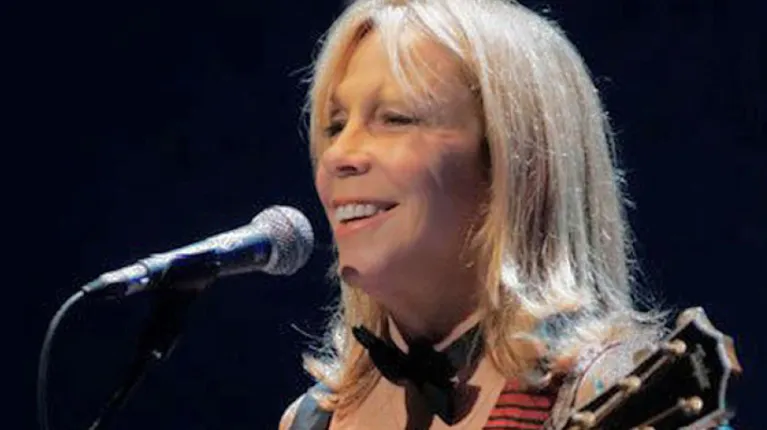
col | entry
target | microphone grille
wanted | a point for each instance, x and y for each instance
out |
(291, 236)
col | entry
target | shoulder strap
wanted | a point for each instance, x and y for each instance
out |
(309, 415)
(567, 392)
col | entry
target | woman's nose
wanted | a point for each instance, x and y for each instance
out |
(348, 154)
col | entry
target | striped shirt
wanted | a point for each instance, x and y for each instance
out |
(520, 409)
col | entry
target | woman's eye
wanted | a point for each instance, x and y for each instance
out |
(398, 119)
(334, 128)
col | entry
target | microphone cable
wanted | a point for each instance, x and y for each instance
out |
(45, 354)
(278, 241)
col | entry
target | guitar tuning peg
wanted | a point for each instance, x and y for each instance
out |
(691, 405)
(676, 347)
(630, 384)
(640, 355)
(585, 420)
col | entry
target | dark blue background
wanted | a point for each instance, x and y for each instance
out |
(136, 127)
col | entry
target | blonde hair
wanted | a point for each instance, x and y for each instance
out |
(554, 237)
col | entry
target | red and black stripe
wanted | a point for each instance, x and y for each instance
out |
(518, 409)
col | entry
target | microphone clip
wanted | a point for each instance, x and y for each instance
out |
(183, 272)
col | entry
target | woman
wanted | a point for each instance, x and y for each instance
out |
(465, 165)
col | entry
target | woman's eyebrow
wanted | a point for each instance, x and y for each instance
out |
(375, 101)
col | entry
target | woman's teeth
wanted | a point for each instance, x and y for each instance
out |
(356, 211)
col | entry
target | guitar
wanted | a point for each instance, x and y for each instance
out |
(680, 384)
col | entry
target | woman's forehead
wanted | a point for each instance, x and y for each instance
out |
(415, 68)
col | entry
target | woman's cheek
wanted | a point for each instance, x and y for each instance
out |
(322, 186)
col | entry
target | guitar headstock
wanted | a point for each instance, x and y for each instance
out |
(681, 383)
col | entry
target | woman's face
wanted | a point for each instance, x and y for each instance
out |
(400, 181)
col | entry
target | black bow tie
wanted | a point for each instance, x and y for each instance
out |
(432, 372)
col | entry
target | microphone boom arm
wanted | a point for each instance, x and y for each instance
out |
(179, 286)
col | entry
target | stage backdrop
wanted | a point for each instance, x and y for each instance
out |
(136, 127)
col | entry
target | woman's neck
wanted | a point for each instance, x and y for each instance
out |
(439, 338)
(436, 306)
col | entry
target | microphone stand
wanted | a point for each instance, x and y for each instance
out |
(179, 286)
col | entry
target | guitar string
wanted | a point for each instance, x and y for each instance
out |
(657, 417)
(710, 421)
(614, 402)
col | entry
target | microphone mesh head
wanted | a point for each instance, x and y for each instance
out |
(291, 236)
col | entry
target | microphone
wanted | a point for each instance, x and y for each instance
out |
(278, 241)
